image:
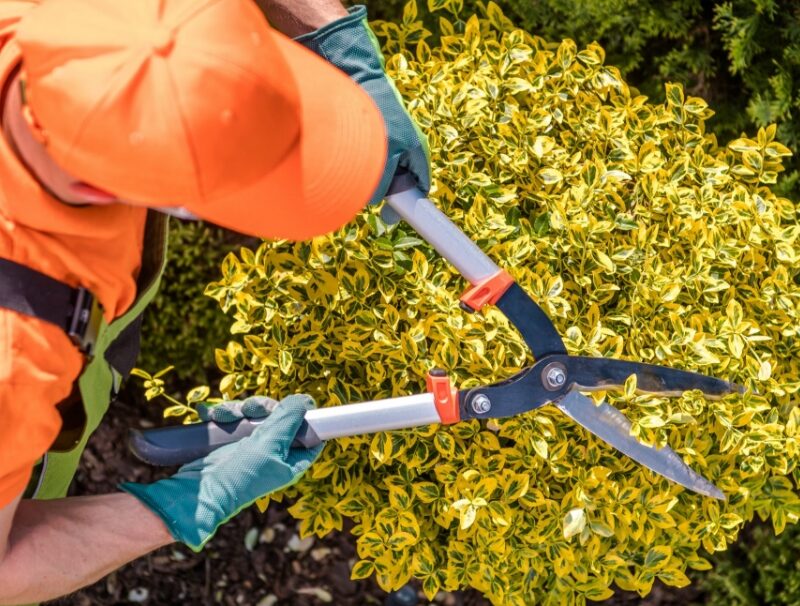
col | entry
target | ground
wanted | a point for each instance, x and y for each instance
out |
(255, 560)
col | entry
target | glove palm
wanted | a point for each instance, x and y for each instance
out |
(206, 493)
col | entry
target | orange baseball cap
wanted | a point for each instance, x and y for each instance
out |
(201, 104)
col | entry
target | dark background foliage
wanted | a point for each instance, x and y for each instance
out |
(182, 326)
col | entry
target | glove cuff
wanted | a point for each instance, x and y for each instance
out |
(356, 14)
(349, 44)
(196, 538)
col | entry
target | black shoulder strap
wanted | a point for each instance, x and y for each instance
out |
(35, 294)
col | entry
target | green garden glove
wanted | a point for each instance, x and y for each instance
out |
(349, 44)
(206, 493)
(254, 407)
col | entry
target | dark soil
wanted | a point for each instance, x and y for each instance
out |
(249, 562)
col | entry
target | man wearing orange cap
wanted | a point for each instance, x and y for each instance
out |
(199, 108)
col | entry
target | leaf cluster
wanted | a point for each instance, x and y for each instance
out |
(741, 55)
(640, 235)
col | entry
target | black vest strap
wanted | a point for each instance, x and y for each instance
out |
(32, 293)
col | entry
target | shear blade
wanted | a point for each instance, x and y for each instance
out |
(610, 425)
(592, 374)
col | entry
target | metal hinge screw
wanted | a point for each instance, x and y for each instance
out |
(555, 375)
(481, 404)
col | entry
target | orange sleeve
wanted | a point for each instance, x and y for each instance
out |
(38, 365)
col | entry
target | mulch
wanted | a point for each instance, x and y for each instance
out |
(254, 560)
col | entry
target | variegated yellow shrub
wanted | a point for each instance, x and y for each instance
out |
(643, 239)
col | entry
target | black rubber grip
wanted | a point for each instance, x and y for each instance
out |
(402, 181)
(182, 444)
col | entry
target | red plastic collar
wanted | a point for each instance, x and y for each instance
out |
(445, 396)
(488, 291)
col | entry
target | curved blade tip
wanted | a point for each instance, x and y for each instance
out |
(709, 490)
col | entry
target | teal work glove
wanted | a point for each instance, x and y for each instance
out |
(349, 44)
(255, 407)
(206, 493)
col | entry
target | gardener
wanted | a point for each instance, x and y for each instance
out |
(199, 108)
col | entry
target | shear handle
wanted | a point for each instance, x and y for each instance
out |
(181, 444)
(184, 443)
(438, 230)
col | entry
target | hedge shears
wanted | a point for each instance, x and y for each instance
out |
(555, 378)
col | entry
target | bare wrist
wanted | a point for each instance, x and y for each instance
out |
(151, 524)
(297, 17)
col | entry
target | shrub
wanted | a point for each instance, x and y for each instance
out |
(642, 238)
(759, 569)
(743, 56)
(194, 253)
(652, 39)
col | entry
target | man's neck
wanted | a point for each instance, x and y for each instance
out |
(11, 100)
(12, 107)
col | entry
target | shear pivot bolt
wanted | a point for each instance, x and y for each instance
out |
(554, 377)
(481, 404)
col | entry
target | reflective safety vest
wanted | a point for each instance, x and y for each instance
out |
(111, 350)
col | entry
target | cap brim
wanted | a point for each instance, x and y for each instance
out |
(329, 175)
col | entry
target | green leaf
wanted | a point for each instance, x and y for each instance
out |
(427, 492)
(437, 5)
(674, 94)
(163, 372)
(743, 145)
(674, 577)
(177, 410)
(625, 222)
(410, 12)
(574, 522)
(408, 242)
(198, 394)
(631, 384)
(601, 529)
(550, 176)
(445, 443)
(285, 361)
(657, 557)
(431, 586)
(362, 569)
(652, 421)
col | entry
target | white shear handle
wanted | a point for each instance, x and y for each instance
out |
(440, 232)
(181, 444)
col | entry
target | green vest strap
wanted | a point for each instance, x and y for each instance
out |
(115, 353)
